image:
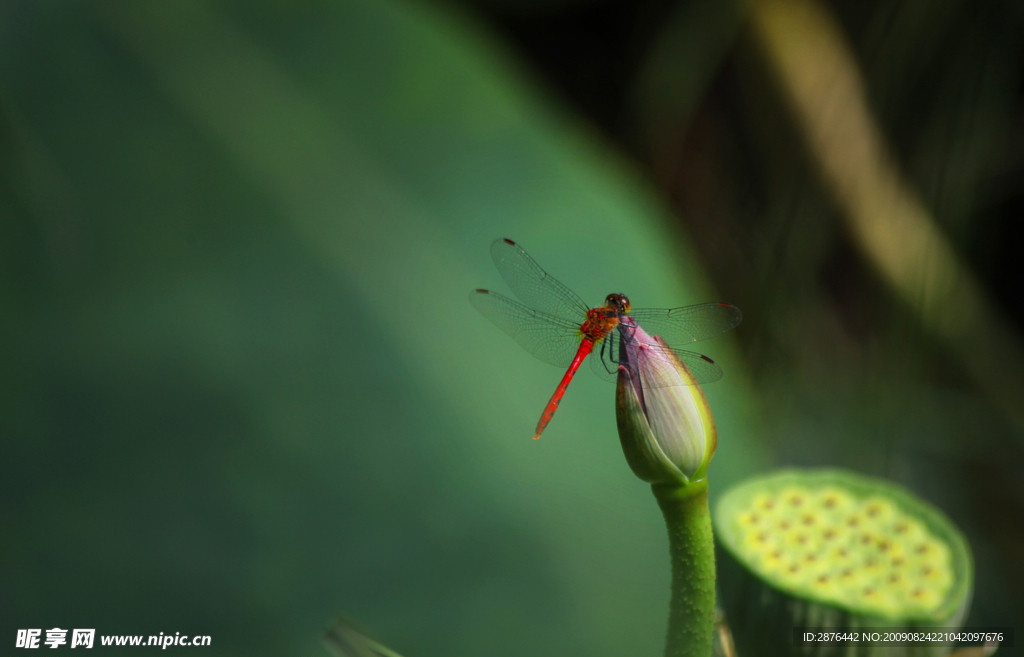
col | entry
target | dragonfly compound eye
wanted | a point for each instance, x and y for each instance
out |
(619, 302)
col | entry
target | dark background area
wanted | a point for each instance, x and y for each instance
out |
(243, 392)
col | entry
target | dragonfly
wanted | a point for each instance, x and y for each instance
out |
(555, 325)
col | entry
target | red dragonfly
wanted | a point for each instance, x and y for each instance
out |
(555, 325)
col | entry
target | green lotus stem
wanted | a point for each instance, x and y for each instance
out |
(691, 620)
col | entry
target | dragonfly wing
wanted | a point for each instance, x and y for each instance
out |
(701, 368)
(551, 339)
(534, 286)
(687, 324)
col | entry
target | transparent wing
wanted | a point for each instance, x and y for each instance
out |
(703, 369)
(679, 326)
(549, 338)
(535, 287)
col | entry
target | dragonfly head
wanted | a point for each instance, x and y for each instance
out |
(619, 303)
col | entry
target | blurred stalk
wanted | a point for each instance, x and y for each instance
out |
(678, 73)
(817, 73)
(343, 640)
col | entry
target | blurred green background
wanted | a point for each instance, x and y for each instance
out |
(243, 390)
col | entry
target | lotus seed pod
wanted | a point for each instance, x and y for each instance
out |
(827, 548)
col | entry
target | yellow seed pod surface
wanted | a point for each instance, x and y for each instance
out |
(868, 547)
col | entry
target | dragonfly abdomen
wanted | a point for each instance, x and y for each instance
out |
(586, 346)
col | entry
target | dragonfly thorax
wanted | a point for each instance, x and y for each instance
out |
(601, 320)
